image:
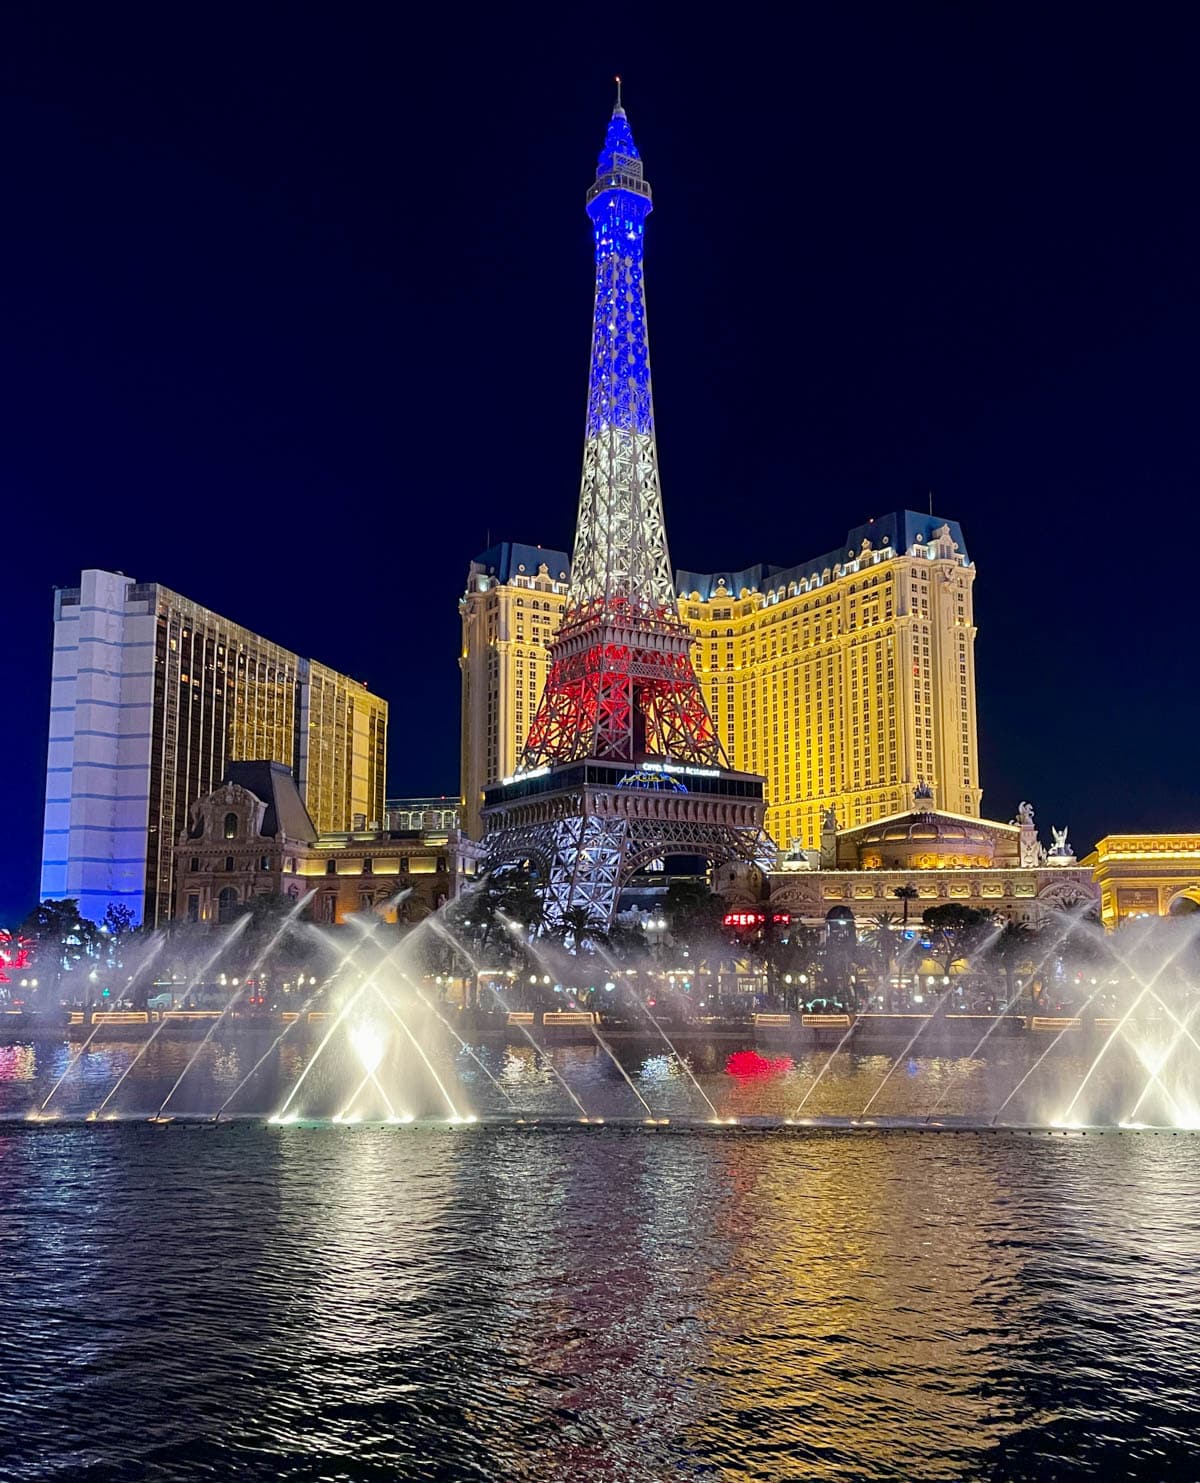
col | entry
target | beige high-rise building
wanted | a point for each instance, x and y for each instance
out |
(151, 696)
(844, 681)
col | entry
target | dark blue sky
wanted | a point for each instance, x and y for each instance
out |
(297, 310)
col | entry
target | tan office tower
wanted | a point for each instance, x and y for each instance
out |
(845, 680)
(151, 696)
(510, 612)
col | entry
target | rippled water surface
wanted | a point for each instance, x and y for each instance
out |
(249, 1302)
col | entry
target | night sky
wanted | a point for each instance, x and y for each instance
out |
(297, 308)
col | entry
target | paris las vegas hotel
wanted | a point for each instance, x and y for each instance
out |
(844, 681)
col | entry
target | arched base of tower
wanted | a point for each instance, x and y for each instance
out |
(586, 828)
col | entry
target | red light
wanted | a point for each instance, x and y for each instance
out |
(748, 1063)
(745, 918)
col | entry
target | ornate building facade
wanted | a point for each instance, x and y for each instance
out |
(943, 857)
(844, 680)
(252, 837)
(1146, 875)
(152, 696)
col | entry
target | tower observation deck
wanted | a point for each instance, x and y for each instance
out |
(621, 764)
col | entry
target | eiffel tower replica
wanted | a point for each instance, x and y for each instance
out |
(621, 765)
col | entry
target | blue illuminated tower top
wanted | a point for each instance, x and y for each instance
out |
(620, 544)
(619, 203)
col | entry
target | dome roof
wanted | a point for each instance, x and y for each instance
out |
(925, 841)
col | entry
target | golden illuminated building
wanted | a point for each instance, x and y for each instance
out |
(943, 857)
(252, 837)
(1146, 875)
(152, 696)
(844, 681)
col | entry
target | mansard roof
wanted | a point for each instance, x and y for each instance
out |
(273, 784)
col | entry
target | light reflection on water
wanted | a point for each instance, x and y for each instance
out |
(957, 1086)
(372, 1303)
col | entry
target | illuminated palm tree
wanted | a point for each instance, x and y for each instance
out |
(905, 894)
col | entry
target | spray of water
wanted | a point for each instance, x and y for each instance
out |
(1146, 990)
(543, 1058)
(251, 974)
(99, 1025)
(237, 929)
(540, 960)
(645, 1008)
(1070, 923)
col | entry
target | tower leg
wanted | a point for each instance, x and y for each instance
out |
(587, 867)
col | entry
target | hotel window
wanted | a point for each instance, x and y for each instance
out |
(331, 867)
(231, 822)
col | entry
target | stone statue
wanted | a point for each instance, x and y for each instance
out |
(1061, 852)
(1025, 815)
(829, 820)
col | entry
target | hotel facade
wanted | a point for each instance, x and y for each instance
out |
(152, 696)
(845, 681)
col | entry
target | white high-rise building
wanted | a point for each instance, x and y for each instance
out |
(151, 696)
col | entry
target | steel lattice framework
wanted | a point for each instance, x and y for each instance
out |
(621, 680)
(621, 687)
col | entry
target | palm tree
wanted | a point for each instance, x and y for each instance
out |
(1014, 945)
(881, 937)
(577, 924)
(905, 894)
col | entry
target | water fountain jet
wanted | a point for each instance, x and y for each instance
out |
(238, 928)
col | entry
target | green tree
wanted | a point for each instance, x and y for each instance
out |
(118, 918)
(275, 933)
(905, 894)
(496, 920)
(1012, 947)
(882, 939)
(695, 915)
(955, 931)
(64, 940)
(577, 927)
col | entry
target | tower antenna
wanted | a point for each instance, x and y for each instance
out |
(617, 80)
